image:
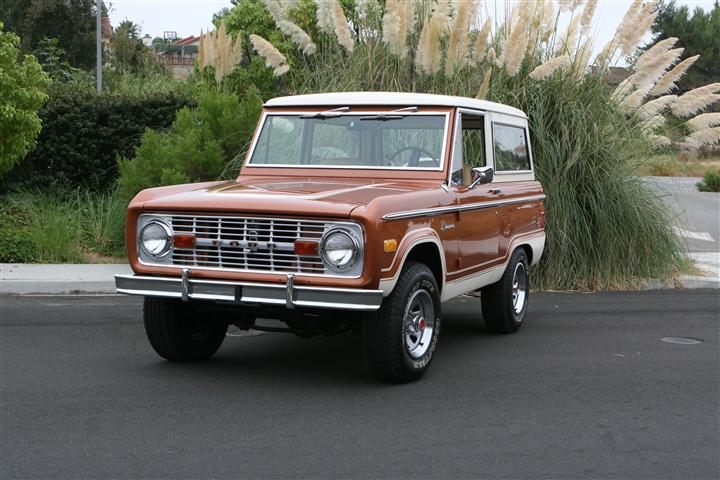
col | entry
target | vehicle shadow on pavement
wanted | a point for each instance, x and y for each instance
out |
(280, 357)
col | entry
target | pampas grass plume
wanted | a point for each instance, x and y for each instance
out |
(659, 141)
(273, 58)
(481, 42)
(654, 107)
(545, 70)
(326, 16)
(695, 100)
(485, 86)
(706, 136)
(667, 82)
(429, 56)
(516, 45)
(342, 31)
(275, 10)
(655, 66)
(457, 49)
(587, 15)
(298, 36)
(705, 120)
(633, 101)
(652, 123)
(633, 32)
(491, 55)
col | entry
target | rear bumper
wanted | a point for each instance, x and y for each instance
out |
(288, 295)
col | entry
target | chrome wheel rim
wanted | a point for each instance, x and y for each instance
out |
(418, 324)
(519, 288)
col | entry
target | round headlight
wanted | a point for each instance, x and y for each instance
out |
(156, 239)
(339, 249)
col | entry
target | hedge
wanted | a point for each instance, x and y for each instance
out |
(83, 133)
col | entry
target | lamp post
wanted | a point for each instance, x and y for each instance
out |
(99, 46)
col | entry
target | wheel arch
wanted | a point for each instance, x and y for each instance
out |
(533, 246)
(427, 250)
(528, 251)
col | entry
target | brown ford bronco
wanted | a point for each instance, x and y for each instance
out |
(353, 212)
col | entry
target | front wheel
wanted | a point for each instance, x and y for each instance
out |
(504, 303)
(177, 332)
(400, 338)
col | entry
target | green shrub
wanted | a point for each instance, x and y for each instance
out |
(84, 132)
(710, 182)
(197, 147)
(15, 243)
(22, 85)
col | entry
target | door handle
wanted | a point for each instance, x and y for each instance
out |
(495, 191)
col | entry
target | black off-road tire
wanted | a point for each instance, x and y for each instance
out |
(178, 333)
(383, 331)
(498, 308)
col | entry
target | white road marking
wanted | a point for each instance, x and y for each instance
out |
(704, 236)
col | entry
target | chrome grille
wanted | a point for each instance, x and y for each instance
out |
(247, 243)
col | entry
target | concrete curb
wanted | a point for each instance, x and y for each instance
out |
(63, 279)
(27, 279)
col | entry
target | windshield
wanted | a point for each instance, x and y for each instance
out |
(398, 141)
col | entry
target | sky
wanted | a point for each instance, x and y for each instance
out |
(187, 17)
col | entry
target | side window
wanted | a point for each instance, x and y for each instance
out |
(510, 146)
(471, 142)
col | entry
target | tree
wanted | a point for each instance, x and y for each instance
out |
(699, 34)
(72, 22)
(53, 59)
(130, 55)
(21, 96)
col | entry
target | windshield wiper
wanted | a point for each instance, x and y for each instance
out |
(334, 113)
(393, 115)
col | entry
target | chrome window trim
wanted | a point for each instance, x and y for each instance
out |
(358, 267)
(460, 208)
(247, 163)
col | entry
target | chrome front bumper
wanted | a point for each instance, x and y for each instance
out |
(288, 295)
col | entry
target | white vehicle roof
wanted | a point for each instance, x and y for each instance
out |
(391, 98)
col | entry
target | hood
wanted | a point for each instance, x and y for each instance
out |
(323, 197)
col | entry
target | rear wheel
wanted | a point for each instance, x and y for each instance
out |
(504, 303)
(400, 338)
(177, 332)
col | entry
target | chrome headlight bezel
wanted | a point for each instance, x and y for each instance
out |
(152, 222)
(356, 247)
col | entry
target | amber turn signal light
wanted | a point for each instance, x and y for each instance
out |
(390, 246)
(306, 247)
(184, 241)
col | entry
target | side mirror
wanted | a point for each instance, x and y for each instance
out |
(481, 176)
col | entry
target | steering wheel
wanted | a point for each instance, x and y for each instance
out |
(416, 156)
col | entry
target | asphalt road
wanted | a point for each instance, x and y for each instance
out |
(697, 214)
(586, 389)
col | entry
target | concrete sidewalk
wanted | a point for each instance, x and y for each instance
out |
(27, 279)
(24, 279)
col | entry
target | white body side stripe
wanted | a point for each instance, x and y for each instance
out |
(476, 280)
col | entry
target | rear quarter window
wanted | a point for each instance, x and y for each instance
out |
(511, 148)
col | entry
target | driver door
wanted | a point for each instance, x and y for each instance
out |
(478, 226)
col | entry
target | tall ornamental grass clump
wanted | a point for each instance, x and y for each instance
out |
(605, 228)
